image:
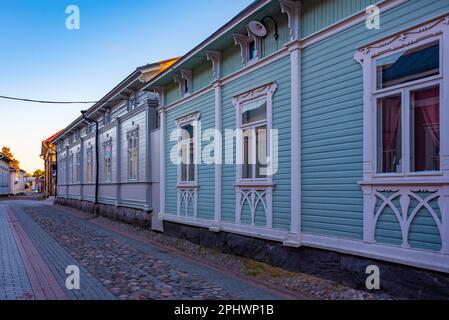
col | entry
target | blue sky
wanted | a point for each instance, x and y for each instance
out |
(41, 59)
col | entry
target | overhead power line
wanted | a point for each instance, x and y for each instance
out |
(60, 102)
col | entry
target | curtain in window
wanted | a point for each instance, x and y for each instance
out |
(426, 127)
(391, 124)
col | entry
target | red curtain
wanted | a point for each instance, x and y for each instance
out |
(391, 123)
(427, 119)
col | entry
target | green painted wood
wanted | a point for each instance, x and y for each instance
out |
(319, 14)
(332, 122)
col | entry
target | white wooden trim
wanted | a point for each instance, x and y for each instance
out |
(417, 258)
(187, 191)
(295, 189)
(293, 11)
(162, 160)
(118, 153)
(218, 155)
(216, 58)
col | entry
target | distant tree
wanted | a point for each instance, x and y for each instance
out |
(14, 162)
(38, 173)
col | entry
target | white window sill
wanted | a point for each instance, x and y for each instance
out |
(254, 183)
(191, 185)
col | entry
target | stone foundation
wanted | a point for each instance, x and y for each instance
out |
(128, 215)
(397, 280)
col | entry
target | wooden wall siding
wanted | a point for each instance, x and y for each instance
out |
(332, 126)
(232, 60)
(319, 14)
(269, 43)
(172, 93)
(202, 76)
(279, 72)
(206, 178)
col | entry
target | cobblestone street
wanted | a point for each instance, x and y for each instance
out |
(38, 241)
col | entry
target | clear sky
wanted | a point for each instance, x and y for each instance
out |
(41, 59)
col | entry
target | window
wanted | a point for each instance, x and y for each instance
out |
(89, 129)
(131, 103)
(89, 166)
(252, 51)
(133, 153)
(255, 160)
(389, 135)
(408, 110)
(408, 65)
(70, 163)
(250, 47)
(187, 153)
(76, 167)
(107, 149)
(425, 129)
(254, 128)
(107, 117)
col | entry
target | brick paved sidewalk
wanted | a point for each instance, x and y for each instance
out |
(113, 265)
(14, 282)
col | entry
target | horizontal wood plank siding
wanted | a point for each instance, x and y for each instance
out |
(332, 123)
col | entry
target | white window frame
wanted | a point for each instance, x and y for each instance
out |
(266, 93)
(107, 168)
(191, 119)
(76, 167)
(432, 31)
(133, 134)
(89, 164)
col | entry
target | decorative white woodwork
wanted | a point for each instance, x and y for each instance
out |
(185, 82)
(254, 198)
(243, 41)
(293, 10)
(216, 58)
(187, 201)
(406, 202)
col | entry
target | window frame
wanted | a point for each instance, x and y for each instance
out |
(433, 30)
(76, 167)
(194, 120)
(107, 175)
(133, 134)
(266, 93)
(89, 160)
(404, 90)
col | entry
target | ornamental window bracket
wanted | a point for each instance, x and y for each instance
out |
(216, 58)
(249, 53)
(293, 10)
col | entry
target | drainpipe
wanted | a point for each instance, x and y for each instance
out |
(97, 161)
(57, 173)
